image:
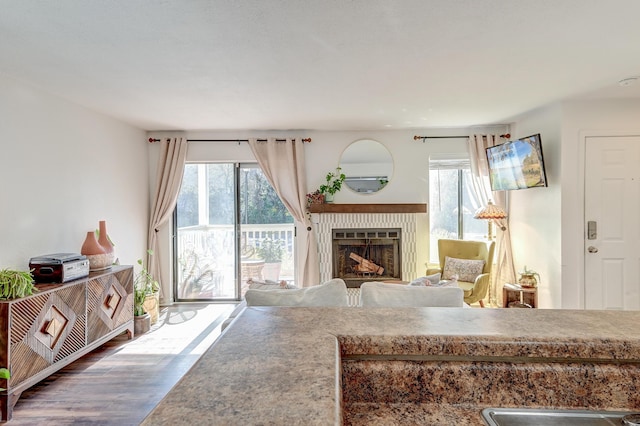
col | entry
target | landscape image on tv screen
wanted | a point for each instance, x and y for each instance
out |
(517, 164)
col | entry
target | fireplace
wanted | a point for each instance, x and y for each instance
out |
(361, 255)
(413, 245)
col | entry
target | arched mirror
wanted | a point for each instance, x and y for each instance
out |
(368, 166)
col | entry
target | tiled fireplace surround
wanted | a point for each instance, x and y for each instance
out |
(407, 222)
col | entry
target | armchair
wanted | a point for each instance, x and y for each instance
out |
(477, 290)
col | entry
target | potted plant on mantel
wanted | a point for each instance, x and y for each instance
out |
(272, 251)
(333, 185)
(145, 299)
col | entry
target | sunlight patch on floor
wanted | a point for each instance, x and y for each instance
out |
(189, 330)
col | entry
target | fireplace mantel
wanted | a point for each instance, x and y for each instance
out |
(368, 208)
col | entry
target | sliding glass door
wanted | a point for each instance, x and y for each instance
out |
(230, 227)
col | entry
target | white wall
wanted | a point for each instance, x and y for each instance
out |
(63, 169)
(535, 216)
(581, 118)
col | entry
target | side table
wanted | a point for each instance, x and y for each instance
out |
(516, 296)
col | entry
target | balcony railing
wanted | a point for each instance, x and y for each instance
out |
(206, 257)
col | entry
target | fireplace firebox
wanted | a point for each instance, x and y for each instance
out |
(361, 255)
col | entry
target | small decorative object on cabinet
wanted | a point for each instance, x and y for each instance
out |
(45, 331)
(517, 296)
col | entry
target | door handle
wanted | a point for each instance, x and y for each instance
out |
(592, 249)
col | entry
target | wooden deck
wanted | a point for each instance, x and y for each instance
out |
(123, 380)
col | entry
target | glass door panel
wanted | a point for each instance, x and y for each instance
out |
(266, 231)
(205, 237)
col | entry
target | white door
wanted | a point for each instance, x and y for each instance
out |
(612, 206)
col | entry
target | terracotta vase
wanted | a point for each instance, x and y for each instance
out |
(97, 256)
(91, 245)
(103, 240)
(141, 324)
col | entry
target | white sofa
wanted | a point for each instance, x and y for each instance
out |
(335, 293)
(381, 295)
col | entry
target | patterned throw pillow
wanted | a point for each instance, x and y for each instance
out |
(466, 270)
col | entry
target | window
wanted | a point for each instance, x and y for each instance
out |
(452, 203)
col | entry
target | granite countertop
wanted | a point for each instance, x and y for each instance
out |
(283, 365)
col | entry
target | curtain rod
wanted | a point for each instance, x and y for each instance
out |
(152, 140)
(415, 138)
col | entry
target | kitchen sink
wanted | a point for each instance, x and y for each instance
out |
(543, 417)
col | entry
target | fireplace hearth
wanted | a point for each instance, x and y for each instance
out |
(361, 255)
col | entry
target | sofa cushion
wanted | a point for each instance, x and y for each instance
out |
(375, 294)
(331, 293)
(461, 269)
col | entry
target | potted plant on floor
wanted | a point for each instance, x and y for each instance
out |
(141, 318)
(145, 298)
(152, 299)
(272, 251)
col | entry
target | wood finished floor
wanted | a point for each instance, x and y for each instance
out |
(123, 380)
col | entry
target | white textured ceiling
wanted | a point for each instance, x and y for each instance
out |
(320, 64)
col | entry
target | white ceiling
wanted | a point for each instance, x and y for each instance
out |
(320, 64)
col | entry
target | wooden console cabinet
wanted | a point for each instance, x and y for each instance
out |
(42, 333)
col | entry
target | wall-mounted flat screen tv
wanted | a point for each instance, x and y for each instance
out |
(517, 164)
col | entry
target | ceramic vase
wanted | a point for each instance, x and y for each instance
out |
(97, 256)
(104, 240)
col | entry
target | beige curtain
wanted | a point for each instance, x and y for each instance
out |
(282, 162)
(169, 178)
(504, 271)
